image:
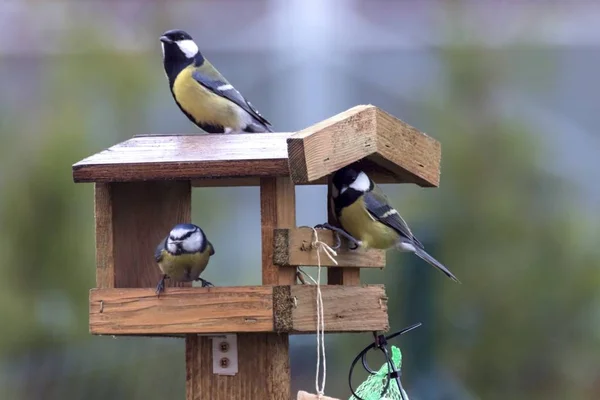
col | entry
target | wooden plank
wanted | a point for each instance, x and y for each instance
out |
(277, 210)
(105, 255)
(186, 157)
(364, 133)
(262, 369)
(293, 248)
(346, 308)
(143, 213)
(240, 309)
(404, 150)
(329, 145)
(302, 395)
(336, 275)
(181, 310)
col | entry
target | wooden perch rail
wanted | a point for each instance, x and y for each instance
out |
(283, 309)
(293, 248)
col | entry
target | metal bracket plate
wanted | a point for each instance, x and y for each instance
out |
(225, 355)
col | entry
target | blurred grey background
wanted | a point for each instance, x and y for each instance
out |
(510, 89)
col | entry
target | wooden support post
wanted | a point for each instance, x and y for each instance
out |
(263, 358)
(339, 276)
(131, 219)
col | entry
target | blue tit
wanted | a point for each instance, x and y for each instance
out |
(183, 255)
(367, 218)
(202, 93)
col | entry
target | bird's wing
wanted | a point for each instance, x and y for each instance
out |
(212, 248)
(379, 207)
(159, 249)
(224, 89)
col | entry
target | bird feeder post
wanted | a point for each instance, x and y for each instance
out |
(264, 368)
(143, 188)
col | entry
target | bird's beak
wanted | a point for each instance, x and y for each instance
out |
(165, 39)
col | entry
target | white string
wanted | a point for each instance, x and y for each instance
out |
(318, 245)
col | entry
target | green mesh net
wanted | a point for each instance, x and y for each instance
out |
(371, 388)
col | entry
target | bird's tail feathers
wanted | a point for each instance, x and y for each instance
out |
(432, 261)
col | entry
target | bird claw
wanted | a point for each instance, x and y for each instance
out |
(205, 283)
(161, 286)
(339, 231)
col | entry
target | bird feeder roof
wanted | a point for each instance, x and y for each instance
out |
(383, 145)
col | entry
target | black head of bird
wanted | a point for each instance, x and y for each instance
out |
(350, 178)
(179, 49)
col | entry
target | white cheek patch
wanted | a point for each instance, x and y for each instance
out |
(362, 183)
(188, 47)
(162, 46)
(171, 248)
(193, 243)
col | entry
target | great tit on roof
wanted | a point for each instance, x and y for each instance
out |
(183, 255)
(202, 93)
(367, 218)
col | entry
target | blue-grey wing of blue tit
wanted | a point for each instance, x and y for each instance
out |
(220, 87)
(378, 206)
(158, 253)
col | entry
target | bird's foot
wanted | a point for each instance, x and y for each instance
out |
(161, 285)
(355, 243)
(205, 283)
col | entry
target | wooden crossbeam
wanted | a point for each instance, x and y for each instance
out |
(293, 248)
(243, 309)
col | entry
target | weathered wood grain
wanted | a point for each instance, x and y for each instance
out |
(262, 369)
(186, 157)
(181, 310)
(293, 248)
(277, 210)
(403, 150)
(240, 309)
(364, 132)
(331, 144)
(346, 308)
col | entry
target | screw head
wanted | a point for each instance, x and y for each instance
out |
(224, 362)
(224, 346)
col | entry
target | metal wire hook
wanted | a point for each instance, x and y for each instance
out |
(380, 343)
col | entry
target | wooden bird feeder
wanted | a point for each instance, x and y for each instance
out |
(236, 338)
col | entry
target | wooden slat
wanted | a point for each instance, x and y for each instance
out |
(346, 308)
(364, 133)
(293, 248)
(404, 150)
(329, 145)
(186, 157)
(240, 309)
(277, 210)
(181, 310)
(105, 254)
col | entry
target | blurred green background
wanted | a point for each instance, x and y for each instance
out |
(509, 88)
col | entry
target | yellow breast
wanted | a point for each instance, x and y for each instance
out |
(357, 221)
(185, 267)
(203, 105)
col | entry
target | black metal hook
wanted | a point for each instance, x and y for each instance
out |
(380, 343)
